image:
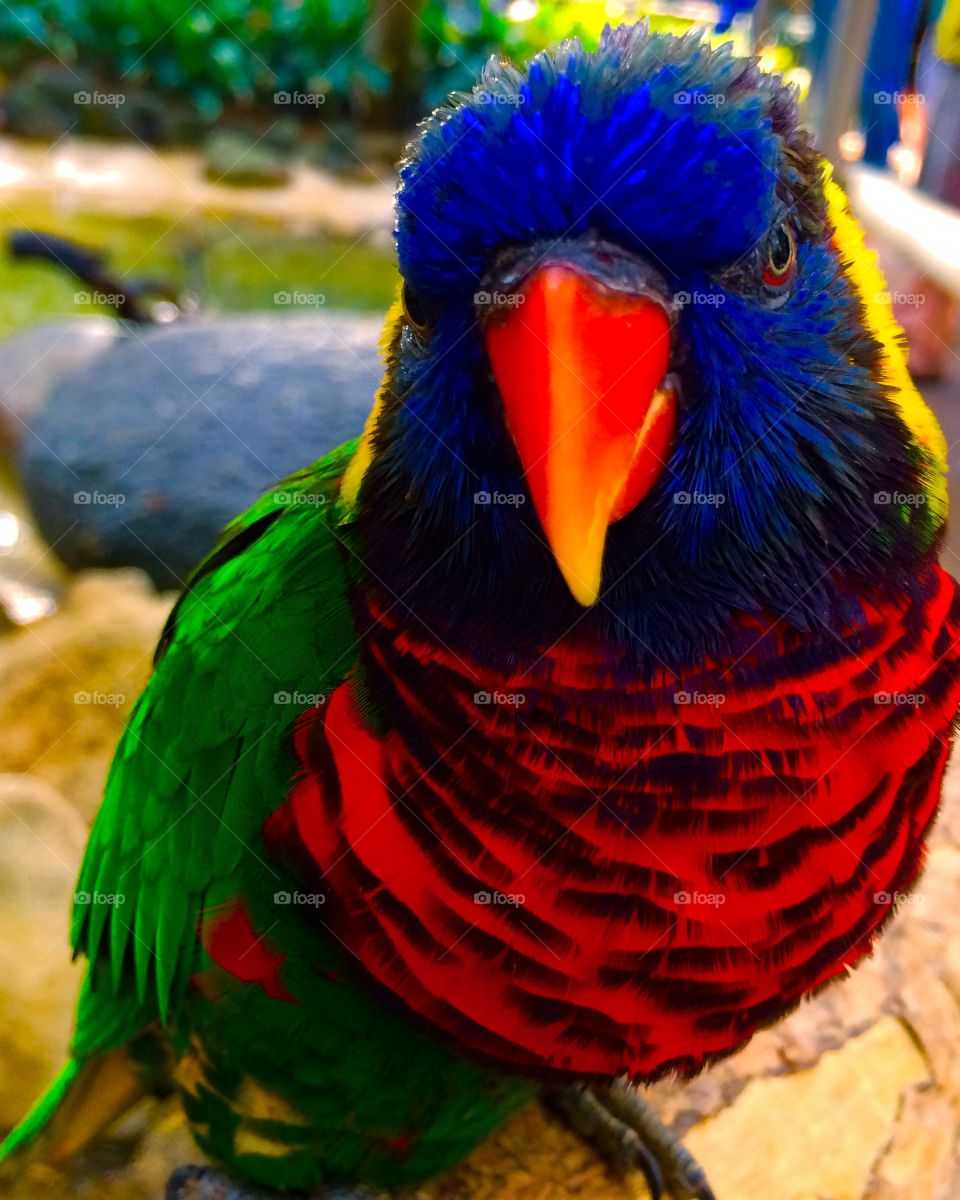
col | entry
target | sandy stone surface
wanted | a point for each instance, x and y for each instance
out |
(67, 684)
(135, 180)
(854, 1097)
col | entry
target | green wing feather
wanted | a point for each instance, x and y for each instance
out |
(204, 758)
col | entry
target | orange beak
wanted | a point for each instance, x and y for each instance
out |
(580, 368)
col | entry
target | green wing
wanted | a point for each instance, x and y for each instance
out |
(263, 625)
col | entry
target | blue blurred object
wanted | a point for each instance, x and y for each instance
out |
(138, 452)
(887, 74)
(823, 13)
(730, 9)
(886, 70)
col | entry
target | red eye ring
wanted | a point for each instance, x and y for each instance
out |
(781, 257)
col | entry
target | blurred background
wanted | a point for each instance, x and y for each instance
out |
(195, 236)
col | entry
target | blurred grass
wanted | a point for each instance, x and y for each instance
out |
(234, 266)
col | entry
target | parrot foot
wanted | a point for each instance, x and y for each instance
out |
(630, 1136)
(207, 1183)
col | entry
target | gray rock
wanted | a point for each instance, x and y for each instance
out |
(143, 451)
(32, 362)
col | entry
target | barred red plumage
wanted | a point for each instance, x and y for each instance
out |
(668, 866)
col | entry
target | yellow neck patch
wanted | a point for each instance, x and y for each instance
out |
(864, 273)
(363, 455)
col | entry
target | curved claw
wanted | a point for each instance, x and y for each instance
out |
(701, 1189)
(616, 1142)
(690, 1180)
(685, 1178)
(651, 1172)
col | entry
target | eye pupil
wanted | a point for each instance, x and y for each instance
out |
(414, 310)
(780, 254)
(781, 257)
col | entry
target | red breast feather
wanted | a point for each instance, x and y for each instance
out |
(603, 877)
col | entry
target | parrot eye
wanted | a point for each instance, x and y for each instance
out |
(414, 312)
(781, 257)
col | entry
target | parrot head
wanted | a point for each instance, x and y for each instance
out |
(643, 373)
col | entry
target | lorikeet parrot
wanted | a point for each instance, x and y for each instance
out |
(587, 713)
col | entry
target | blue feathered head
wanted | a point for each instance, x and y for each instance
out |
(640, 367)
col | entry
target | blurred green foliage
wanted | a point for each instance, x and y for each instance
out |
(459, 36)
(223, 54)
(217, 53)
